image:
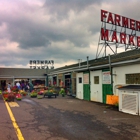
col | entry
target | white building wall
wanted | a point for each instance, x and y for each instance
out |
(96, 89)
(119, 75)
(79, 90)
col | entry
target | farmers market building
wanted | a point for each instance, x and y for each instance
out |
(91, 80)
(12, 75)
(96, 79)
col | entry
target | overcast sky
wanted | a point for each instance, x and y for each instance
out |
(59, 30)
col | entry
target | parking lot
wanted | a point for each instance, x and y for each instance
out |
(68, 118)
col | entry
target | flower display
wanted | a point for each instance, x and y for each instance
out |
(23, 92)
(62, 92)
(39, 97)
(10, 97)
(33, 94)
(14, 89)
(41, 92)
(5, 95)
(18, 96)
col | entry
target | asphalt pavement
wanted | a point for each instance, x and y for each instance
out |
(68, 118)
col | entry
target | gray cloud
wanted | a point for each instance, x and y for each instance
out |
(62, 7)
(55, 29)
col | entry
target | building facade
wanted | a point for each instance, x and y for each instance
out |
(91, 80)
(13, 75)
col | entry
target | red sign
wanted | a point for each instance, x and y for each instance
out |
(123, 37)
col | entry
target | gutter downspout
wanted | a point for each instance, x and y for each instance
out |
(110, 68)
(79, 61)
(111, 75)
(109, 64)
(87, 62)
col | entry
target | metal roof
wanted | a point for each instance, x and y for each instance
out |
(123, 56)
(130, 87)
(21, 72)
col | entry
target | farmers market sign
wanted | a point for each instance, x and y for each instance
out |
(128, 36)
(41, 64)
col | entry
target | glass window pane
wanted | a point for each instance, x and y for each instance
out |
(80, 79)
(133, 78)
(96, 79)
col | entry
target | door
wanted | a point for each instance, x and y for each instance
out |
(96, 86)
(79, 83)
(73, 86)
(68, 84)
(107, 88)
(86, 86)
(73, 83)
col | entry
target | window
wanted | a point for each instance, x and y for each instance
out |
(80, 79)
(133, 78)
(96, 79)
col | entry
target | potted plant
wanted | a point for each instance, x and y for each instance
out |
(15, 89)
(33, 94)
(18, 97)
(23, 92)
(62, 92)
(10, 97)
(41, 92)
(39, 96)
(5, 95)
